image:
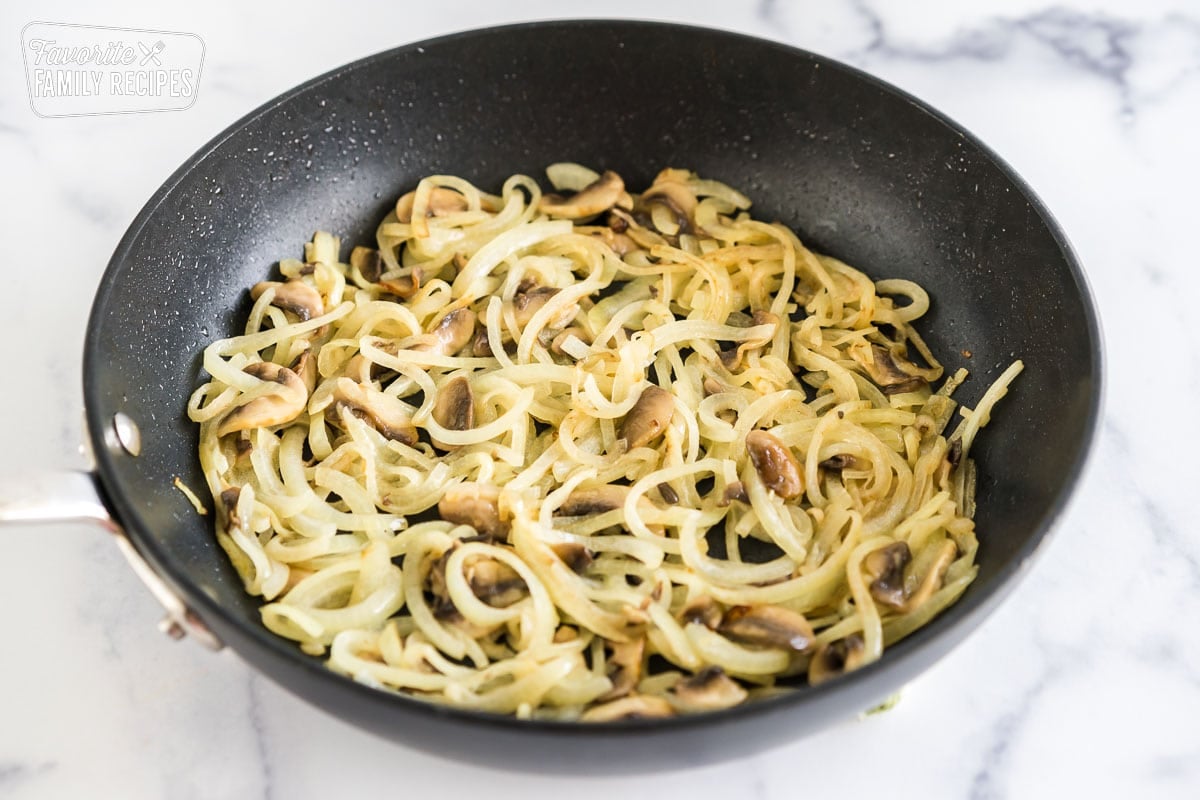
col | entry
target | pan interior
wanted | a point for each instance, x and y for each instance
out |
(859, 170)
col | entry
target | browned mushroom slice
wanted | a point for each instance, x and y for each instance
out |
(624, 668)
(477, 505)
(670, 191)
(774, 627)
(495, 582)
(708, 690)
(454, 408)
(283, 405)
(775, 464)
(556, 346)
(481, 346)
(835, 658)
(295, 296)
(450, 334)
(839, 462)
(713, 386)
(229, 501)
(702, 609)
(944, 556)
(734, 491)
(595, 500)
(529, 302)
(634, 706)
(648, 418)
(305, 367)
(889, 370)
(368, 263)
(380, 410)
(577, 557)
(596, 197)
(618, 242)
(442, 201)
(404, 287)
(886, 567)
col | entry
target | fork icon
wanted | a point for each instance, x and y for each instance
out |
(151, 54)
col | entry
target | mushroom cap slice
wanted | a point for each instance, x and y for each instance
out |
(442, 201)
(454, 408)
(282, 405)
(380, 410)
(773, 627)
(593, 199)
(704, 610)
(495, 582)
(294, 296)
(477, 505)
(624, 668)
(890, 370)
(451, 333)
(634, 706)
(648, 418)
(708, 690)
(835, 658)
(775, 464)
(886, 565)
(368, 263)
(931, 581)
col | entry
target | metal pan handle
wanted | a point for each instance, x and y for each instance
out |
(75, 496)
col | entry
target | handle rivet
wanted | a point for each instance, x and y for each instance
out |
(127, 434)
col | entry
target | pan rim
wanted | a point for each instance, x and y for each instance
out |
(954, 624)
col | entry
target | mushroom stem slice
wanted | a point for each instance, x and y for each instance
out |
(477, 505)
(835, 658)
(774, 627)
(380, 410)
(294, 296)
(648, 418)
(281, 406)
(454, 408)
(775, 464)
(596, 197)
(634, 706)
(708, 690)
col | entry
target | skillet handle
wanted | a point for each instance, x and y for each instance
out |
(75, 496)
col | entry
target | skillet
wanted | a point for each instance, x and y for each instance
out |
(861, 170)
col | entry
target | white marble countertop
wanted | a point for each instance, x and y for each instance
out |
(1085, 684)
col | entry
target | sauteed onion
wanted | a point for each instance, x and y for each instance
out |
(588, 455)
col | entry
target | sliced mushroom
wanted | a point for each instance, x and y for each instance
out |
(648, 418)
(481, 346)
(731, 358)
(442, 201)
(774, 627)
(368, 263)
(577, 557)
(495, 582)
(932, 581)
(734, 491)
(618, 242)
(380, 410)
(889, 370)
(624, 668)
(305, 367)
(454, 408)
(634, 706)
(839, 462)
(477, 505)
(596, 197)
(676, 199)
(450, 334)
(713, 386)
(294, 296)
(835, 658)
(668, 494)
(708, 690)
(404, 287)
(702, 609)
(281, 406)
(229, 501)
(528, 301)
(595, 500)
(556, 346)
(886, 567)
(775, 464)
